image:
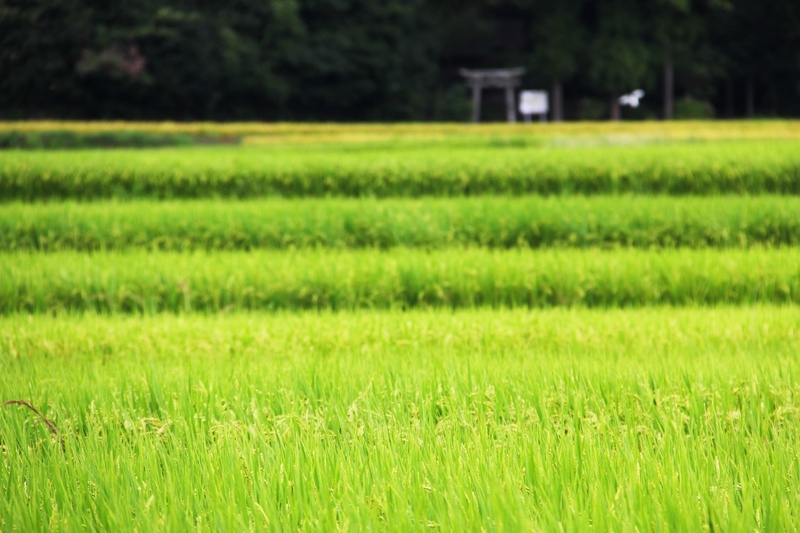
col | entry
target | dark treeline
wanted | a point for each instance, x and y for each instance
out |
(393, 59)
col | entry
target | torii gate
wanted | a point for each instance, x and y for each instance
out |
(500, 78)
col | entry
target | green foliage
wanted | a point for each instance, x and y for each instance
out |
(138, 282)
(40, 43)
(392, 60)
(390, 365)
(111, 139)
(690, 108)
(558, 40)
(430, 223)
(357, 60)
(651, 419)
(680, 169)
(242, 59)
(592, 109)
(452, 105)
(618, 58)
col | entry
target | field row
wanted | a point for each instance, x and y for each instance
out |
(316, 279)
(283, 132)
(641, 339)
(534, 222)
(242, 172)
(659, 419)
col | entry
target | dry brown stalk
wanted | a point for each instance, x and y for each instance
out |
(48, 423)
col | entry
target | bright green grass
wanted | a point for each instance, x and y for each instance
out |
(651, 419)
(320, 279)
(755, 167)
(430, 223)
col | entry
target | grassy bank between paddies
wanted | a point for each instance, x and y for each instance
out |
(667, 419)
(246, 172)
(135, 282)
(529, 222)
(329, 132)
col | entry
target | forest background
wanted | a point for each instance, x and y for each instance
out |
(393, 60)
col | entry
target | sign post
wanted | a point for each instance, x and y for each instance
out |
(534, 103)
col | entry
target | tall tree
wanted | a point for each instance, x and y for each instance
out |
(389, 60)
(675, 24)
(759, 41)
(618, 54)
(558, 39)
(40, 43)
(220, 61)
(363, 60)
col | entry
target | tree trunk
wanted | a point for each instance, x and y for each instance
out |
(749, 102)
(729, 108)
(615, 113)
(558, 102)
(511, 111)
(476, 103)
(669, 82)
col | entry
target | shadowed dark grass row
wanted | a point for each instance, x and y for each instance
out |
(760, 167)
(64, 139)
(156, 282)
(432, 223)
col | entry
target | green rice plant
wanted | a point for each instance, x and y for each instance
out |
(142, 282)
(657, 419)
(286, 133)
(531, 222)
(244, 172)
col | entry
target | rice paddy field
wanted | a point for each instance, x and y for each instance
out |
(279, 327)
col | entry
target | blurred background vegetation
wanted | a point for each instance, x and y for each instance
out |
(393, 60)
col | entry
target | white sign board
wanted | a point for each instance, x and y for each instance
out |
(533, 102)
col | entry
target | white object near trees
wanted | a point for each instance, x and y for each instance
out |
(534, 103)
(632, 99)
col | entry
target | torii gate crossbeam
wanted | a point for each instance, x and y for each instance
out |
(506, 79)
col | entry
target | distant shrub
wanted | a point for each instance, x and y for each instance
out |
(453, 105)
(691, 108)
(592, 109)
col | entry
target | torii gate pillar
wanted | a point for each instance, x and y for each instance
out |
(506, 79)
